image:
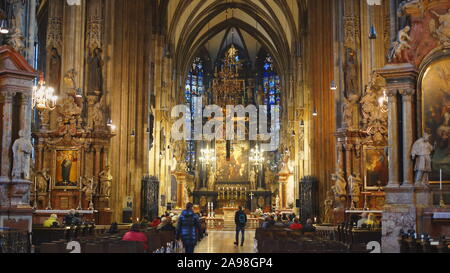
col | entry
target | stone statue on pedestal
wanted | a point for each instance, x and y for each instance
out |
(339, 188)
(421, 153)
(43, 180)
(211, 179)
(98, 115)
(95, 63)
(355, 189)
(328, 208)
(253, 179)
(88, 188)
(105, 179)
(22, 149)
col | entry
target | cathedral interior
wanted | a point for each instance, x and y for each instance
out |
(128, 109)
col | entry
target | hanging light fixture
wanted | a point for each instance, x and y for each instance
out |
(333, 85)
(4, 29)
(372, 30)
(315, 114)
(43, 97)
(256, 156)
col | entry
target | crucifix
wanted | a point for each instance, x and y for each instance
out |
(251, 201)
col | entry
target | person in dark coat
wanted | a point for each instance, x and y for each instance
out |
(240, 219)
(188, 225)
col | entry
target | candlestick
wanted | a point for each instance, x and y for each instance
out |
(440, 179)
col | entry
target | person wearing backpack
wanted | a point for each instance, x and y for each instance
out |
(187, 227)
(240, 218)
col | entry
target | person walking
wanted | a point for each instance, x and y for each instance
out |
(187, 227)
(240, 218)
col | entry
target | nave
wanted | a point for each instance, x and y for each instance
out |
(222, 242)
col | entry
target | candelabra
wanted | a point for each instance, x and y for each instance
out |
(49, 203)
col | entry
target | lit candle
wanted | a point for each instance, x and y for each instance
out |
(440, 179)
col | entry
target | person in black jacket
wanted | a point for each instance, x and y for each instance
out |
(240, 218)
(187, 228)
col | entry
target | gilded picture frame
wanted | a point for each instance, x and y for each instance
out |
(375, 168)
(435, 115)
(67, 167)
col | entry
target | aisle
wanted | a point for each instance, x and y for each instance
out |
(222, 242)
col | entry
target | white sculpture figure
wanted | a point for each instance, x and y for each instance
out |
(16, 40)
(98, 116)
(105, 178)
(22, 150)
(422, 149)
(253, 179)
(340, 184)
(401, 44)
(211, 179)
(277, 202)
(355, 189)
(88, 188)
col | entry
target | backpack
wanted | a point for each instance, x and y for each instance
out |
(241, 219)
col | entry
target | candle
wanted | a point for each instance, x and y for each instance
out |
(35, 184)
(440, 179)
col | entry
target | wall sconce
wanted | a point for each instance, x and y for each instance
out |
(315, 114)
(333, 85)
(133, 133)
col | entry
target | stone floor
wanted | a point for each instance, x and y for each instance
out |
(223, 242)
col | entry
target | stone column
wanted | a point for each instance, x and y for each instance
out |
(7, 135)
(340, 155)
(393, 154)
(408, 135)
(97, 159)
(25, 113)
(282, 180)
(348, 159)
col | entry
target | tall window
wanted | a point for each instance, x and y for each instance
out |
(271, 83)
(194, 91)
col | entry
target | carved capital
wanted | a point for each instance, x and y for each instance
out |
(408, 92)
(391, 92)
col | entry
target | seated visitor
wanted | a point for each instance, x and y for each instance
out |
(145, 220)
(363, 221)
(155, 222)
(68, 219)
(166, 225)
(284, 217)
(279, 222)
(136, 235)
(114, 228)
(296, 225)
(309, 227)
(268, 222)
(52, 221)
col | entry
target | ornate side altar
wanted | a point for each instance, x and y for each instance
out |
(16, 81)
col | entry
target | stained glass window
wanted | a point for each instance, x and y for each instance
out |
(271, 83)
(193, 92)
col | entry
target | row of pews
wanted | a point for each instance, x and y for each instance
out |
(282, 240)
(354, 239)
(99, 241)
(412, 243)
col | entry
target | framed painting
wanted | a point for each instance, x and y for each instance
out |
(67, 167)
(376, 168)
(435, 88)
(232, 161)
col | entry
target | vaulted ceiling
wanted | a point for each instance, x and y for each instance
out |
(272, 24)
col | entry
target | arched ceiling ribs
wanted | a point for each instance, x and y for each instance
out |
(281, 58)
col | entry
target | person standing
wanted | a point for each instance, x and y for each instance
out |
(187, 228)
(240, 218)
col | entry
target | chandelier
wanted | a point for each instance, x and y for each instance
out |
(227, 83)
(382, 102)
(207, 156)
(43, 97)
(256, 156)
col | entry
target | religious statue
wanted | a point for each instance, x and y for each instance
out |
(421, 153)
(442, 32)
(340, 185)
(328, 208)
(54, 75)
(42, 180)
(105, 179)
(98, 115)
(253, 179)
(351, 73)
(211, 179)
(95, 80)
(22, 149)
(88, 188)
(277, 202)
(16, 40)
(68, 108)
(355, 189)
(398, 50)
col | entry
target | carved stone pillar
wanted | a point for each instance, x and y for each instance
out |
(7, 135)
(282, 194)
(25, 113)
(408, 136)
(97, 159)
(340, 156)
(393, 153)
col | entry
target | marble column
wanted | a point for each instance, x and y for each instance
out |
(7, 135)
(393, 154)
(408, 134)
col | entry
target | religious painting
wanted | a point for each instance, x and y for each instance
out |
(66, 169)
(232, 161)
(436, 115)
(376, 168)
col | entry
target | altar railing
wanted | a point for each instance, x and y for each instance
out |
(218, 223)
